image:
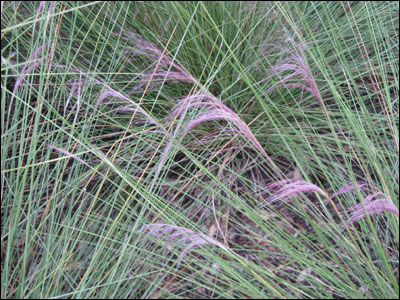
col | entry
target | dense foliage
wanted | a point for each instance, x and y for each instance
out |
(199, 149)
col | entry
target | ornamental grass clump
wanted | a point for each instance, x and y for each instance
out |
(202, 120)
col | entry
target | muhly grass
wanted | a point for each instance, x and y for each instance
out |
(200, 141)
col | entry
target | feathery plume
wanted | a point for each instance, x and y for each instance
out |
(113, 93)
(286, 188)
(369, 207)
(179, 235)
(300, 70)
(216, 111)
(170, 69)
(350, 187)
(26, 70)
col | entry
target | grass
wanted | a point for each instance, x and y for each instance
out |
(199, 150)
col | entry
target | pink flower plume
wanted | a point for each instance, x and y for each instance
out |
(287, 188)
(178, 237)
(369, 207)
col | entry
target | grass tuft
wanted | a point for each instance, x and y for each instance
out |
(199, 150)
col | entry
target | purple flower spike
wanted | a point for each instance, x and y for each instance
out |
(369, 207)
(373, 207)
(216, 111)
(179, 235)
(113, 93)
(39, 9)
(26, 70)
(71, 93)
(366, 201)
(350, 187)
(158, 77)
(286, 188)
(170, 69)
(297, 64)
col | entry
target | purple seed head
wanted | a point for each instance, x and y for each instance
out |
(350, 187)
(178, 237)
(296, 63)
(216, 111)
(287, 188)
(374, 207)
(28, 68)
